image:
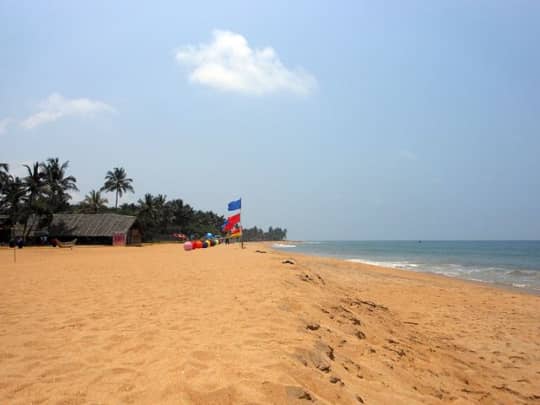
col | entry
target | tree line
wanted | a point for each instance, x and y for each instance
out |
(46, 187)
(257, 234)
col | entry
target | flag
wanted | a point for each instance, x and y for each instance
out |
(237, 232)
(235, 205)
(233, 220)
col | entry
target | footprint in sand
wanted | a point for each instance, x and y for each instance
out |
(6, 355)
(126, 387)
(115, 375)
(203, 355)
(138, 348)
(336, 380)
(191, 369)
(360, 335)
(122, 370)
(298, 393)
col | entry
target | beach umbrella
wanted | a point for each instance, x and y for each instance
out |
(188, 246)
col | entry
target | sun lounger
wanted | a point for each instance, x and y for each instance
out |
(66, 244)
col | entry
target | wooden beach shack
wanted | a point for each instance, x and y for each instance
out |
(105, 229)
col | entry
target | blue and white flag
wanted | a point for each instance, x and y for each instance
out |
(235, 205)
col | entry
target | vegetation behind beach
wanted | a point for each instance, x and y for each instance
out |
(46, 190)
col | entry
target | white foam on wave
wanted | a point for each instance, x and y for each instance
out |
(524, 274)
(366, 262)
(394, 265)
(449, 273)
(282, 245)
(484, 271)
(479, 280)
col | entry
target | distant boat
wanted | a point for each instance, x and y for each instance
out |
(419, 241)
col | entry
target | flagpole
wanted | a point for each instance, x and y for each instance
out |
(241, 228)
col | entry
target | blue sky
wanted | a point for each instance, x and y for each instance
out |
(336, 120)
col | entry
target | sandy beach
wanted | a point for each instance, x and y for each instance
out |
(157, 325)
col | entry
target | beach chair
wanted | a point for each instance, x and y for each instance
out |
(66, 244)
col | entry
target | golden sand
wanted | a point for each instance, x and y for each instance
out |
(157, 325)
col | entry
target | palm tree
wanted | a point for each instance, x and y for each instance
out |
(154, 214)
(35, 189)
(4, 177)
(13, 197)
(147, 214)
(58, 183)
(5, 182)
(4, 170)
(34, 182)
(118, 182)
(163, 215)
(94, 202)
(182, 213)
(147, 206)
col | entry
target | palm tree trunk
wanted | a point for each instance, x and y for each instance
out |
(24, 230)
(116, 204)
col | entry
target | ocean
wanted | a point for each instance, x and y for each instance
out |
(510, 263)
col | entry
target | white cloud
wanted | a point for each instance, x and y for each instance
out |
(4, 124)
(56, 106)
(228, 63)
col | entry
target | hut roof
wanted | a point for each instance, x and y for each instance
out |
(81, 225)
(34, 227)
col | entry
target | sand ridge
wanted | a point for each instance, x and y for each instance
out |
(103, 325)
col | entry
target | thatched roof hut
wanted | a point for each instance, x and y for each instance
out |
(95, 228)
(36, 227)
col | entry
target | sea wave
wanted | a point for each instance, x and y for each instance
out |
(517, 278)
(283, 246)
(506, 263)
(524, 273)
(394, 265)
